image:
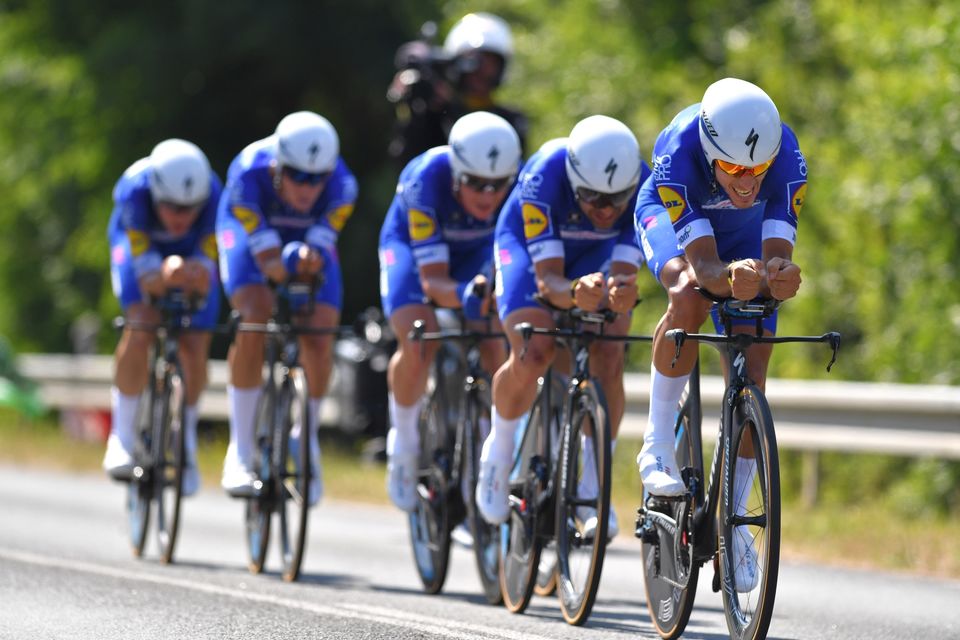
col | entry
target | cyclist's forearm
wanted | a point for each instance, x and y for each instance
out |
(271, 264)
(442, 290)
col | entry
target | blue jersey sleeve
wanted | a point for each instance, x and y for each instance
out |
(421, 193)
(132, 200)
(541, 193)
(784, 188)
(335, 206)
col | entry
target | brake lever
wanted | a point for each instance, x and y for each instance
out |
(526, 330)
(416, 334)
(834, 339)
(679, 336)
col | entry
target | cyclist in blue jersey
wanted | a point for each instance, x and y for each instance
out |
(161, 235)
(720, 212)
(563, 235)
(286, 199)
(436, 244)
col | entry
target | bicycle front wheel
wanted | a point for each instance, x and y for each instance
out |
(750, 519)
(579, 552)
(140, 487)
(670, 570)
(522, 535)
(430, 521)
(293, 472)
(168, 470)
(486, 537)
(259, 507)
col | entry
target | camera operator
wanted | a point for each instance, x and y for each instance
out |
(434, 87)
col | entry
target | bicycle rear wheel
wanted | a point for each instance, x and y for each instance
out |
(430, 521)
(580, 556)
(750, 521)
(670, 572)
(168, 470)
(486, 537)
(259, 506)
(293, 473)
(140, 487)
(522, 535)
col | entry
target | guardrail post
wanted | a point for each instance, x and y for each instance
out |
(810, 478)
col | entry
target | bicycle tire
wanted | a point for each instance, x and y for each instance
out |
(259, 507)
(168, 476)
(749, 612)
(670, 606)
(486, 537)
(580, 558)
(522, 535)
(292, 473)
(140, 487)
(430, 520)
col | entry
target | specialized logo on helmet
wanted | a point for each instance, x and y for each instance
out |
(707, 125)
(313, 150)
(422, 225)
(187, 186)
(611, 168)
(751, 141)
(534, 221)
(673, 201)
(493, 154)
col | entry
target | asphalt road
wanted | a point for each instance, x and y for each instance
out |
(66, 572)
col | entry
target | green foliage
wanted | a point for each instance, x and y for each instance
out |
(90, 87)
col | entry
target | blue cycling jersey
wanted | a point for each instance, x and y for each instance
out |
(134, 219)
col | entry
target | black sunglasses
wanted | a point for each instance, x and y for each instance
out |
(484, 184)
(305, 177)
(600, 199)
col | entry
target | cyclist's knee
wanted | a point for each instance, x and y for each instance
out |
(533, 363)
(416, 356)
(687, 304)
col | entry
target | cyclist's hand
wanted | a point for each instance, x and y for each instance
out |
(622, 294)
(589, 292)
(174, 273)
(783, 278)
(197, 278)
(301, 261)
(746, 276)
(475, 298)
(310, 264)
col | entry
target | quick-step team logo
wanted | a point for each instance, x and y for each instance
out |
(422, 225)
(534, 221)
(673, 201)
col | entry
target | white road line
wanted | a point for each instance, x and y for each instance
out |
(384, 615)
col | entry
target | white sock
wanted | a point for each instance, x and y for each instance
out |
(191, 416)
(502, 438)
(124, 413)
(243, 408)
(665, 393)
(403, 437)
(744, 473)
(314, 427)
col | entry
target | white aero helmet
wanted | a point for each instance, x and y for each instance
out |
(308, 142)
(739, 123)
(479, 31)
(603, 156)
(484, 144)
(179, 173)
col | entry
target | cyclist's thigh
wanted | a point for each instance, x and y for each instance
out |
(207, 316)
(399, 278)
(330, 294)
(253, 301)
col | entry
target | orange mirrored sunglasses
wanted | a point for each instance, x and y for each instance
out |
(737, 170)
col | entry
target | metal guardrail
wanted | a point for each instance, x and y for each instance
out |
(914, 420)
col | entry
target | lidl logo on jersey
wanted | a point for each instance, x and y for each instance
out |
(422, 225)
(339, 216)
(139, 242)
(249, 218)
(535, 221)
(798, 192)
(675, 203)
(209, 246)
